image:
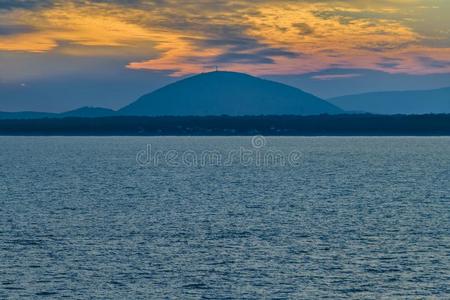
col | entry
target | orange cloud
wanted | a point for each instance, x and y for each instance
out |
(86, 26)
(262, 37)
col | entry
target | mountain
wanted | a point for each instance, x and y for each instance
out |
(26, 115)
(397, 102)
(84, 112)
(89, 112)
(227, 93)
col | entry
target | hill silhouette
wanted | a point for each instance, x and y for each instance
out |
(26, 115)
(227, 93)
(89, 112)
(83, 112)
(397, 102)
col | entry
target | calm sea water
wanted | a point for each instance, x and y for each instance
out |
(360, 218)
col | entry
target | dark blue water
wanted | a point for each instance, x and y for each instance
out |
(360, 218)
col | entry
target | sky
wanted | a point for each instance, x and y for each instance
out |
(59, 55)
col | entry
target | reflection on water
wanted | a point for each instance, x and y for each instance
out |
(358, 217)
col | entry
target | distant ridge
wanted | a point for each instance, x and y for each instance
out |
(90, 112)
(83, 112)
(238, 94)
(397, 102)
(26, 115)
(228, 93)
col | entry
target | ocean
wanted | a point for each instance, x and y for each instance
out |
(224, 217)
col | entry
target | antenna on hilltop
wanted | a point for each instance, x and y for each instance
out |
(217, 68)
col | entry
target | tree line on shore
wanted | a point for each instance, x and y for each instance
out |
(351, 124)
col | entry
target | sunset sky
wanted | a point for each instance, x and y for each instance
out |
(44, 41)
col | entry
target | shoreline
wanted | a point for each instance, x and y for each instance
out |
(319, 125)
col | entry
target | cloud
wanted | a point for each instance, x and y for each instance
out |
(335, 76)
(278, 52)
(231, 42)
(434, 63)
(243, 58)
(264, 55)
(260, 37)
(389, 63)
(303, 28)
(6, 29)
(384, 46)
(25, 4)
